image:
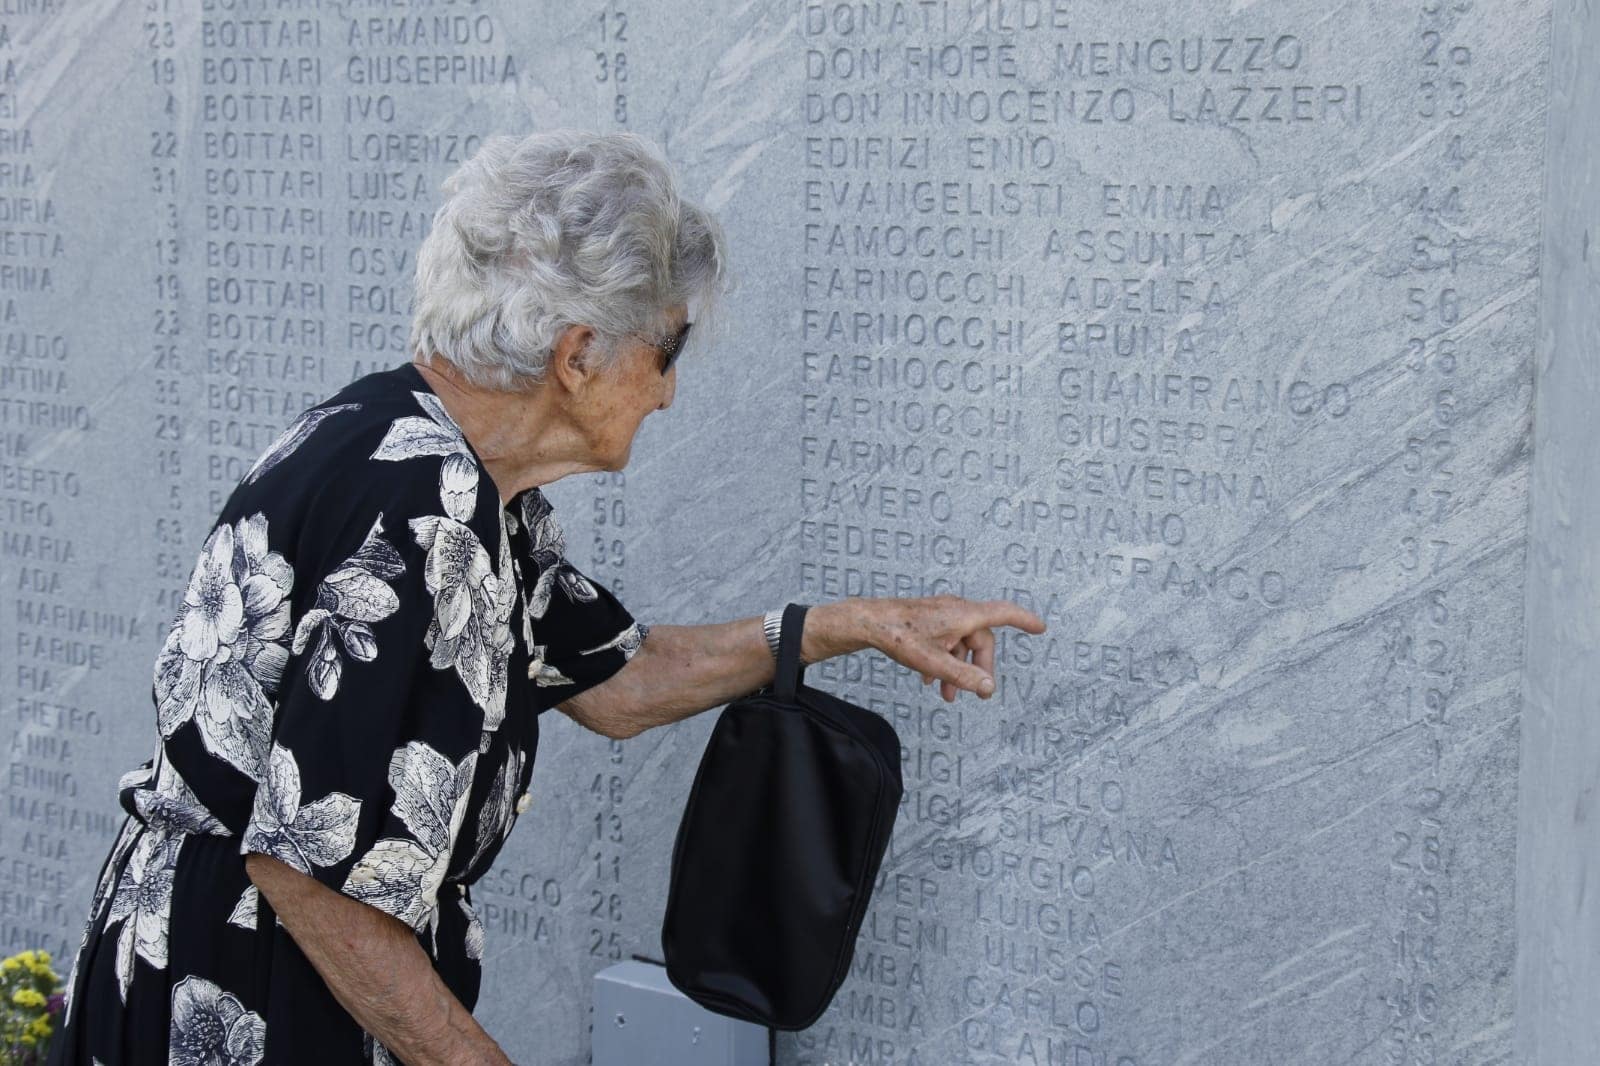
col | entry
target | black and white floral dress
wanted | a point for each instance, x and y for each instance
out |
(351, 685)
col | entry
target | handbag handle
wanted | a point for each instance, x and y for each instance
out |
(790, 669)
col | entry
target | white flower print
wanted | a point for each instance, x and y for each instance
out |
(225, 653)
(547, 549)
(349, 600)
(413, 436)
(471, 625)
(400, 875)
(244, 912)
(293, 437)
(543, 673)
(131, 827)
(547, 552)
(318, 834)
(143, 903)
(627, 642)
(376, 1053)
(474, 938)
(171, 802)
(546, 542)
(495, 819)
(537, 667)
(210, 1027)
(501, 641)
(458, 486)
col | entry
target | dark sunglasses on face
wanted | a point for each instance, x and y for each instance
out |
(670, 347)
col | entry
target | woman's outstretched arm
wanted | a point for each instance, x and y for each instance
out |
(375, 968)
(682, 670)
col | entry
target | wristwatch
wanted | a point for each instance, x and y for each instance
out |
(772, 626)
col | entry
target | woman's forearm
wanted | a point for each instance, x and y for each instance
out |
(375, 968)
(682, 670)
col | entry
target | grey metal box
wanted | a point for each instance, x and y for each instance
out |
(640, 1019)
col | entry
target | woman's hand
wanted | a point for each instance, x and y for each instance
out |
(934, 635)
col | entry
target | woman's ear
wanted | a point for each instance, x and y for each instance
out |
(569, 358)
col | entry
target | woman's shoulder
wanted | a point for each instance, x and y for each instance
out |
(329, 436)
(384, 441)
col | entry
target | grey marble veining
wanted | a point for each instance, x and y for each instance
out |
(1205, 330)
(1558, 853)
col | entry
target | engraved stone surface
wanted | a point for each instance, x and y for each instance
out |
(1205, 330)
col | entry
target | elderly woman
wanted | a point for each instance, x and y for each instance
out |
(348, 698)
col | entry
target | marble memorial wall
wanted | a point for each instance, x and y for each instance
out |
(1202, 329)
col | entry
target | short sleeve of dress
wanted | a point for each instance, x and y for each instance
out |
(396, 672)
(578, 633)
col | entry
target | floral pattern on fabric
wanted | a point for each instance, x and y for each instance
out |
(377, 1054)
(546, 551)
(627, 642)
(494, 822)
(169, 800)
(143, 904)
(225, 654)
(401, 875)
(470, 629)
(317, 834)
(293, 437)
(475, 938)
(102, 896)
(210, 1027)
(415, 436)
(349, 601)
(342, 688)
(244, 912)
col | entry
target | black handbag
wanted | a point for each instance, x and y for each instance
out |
(782, 836)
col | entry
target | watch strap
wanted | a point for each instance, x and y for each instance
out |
(791, 671)
(772, 625)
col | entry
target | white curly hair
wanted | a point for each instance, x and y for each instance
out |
(554, 228)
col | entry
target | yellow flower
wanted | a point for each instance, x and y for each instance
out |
(28, 997)
(42, 955)
(40, 1026)
(11, 965)
(29, 1039)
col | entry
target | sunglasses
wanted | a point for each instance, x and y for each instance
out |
(670, 347)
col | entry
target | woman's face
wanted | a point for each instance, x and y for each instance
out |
(633, 389)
